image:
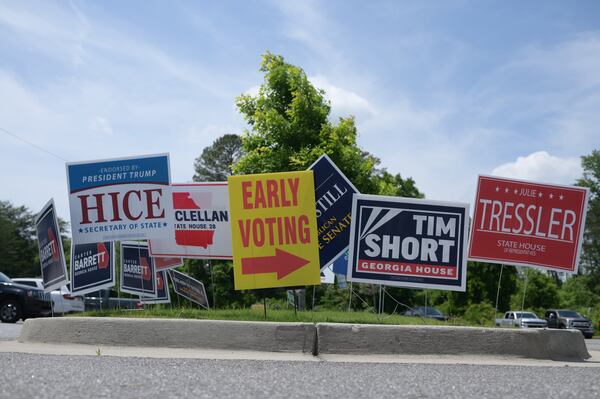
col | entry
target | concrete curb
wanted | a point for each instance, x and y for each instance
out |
(444, 340)
(322, 338)
(172, 333)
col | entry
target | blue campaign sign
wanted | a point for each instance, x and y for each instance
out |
(92, 267)
(333, 195)
(407, 242)
(137, 270)
(189, 288)
(118, 199)
(162, 290)
(52, 257)
(340, 264)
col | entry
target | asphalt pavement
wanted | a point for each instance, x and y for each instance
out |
(51, 376)
(10, 331)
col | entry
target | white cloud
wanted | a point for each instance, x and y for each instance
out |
(343, 102)
(543, 167)
(101, 126)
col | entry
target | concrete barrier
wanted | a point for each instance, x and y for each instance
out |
(444, 340)
(174, 333)
(322, 338)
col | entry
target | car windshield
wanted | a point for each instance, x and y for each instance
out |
(526, 315)
(4, 278)
(568, 313)
(429, 311)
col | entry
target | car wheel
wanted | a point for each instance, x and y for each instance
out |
(10, 311)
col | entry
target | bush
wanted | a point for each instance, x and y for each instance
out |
(480, 313)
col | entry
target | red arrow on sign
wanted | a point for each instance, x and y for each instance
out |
(283, 263)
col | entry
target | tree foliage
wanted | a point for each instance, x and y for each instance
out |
(590, 260)
(18, 247)
(216, 161)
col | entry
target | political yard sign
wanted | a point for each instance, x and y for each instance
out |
(274, 230)
(137, 270)
(523, 223)
(189, 288)
(406, 242)
(162, 290)
(92, 267)
(333, 194)
(119, 199)
(166, 263)
(52, 258)
(200, 226)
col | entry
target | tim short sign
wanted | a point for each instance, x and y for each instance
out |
(119, 199)
(92, 267)
(407, 242)
(333, 194)
(162, 290)
(52, 258)
(189, 288)
(274, 230)
(137, 270)
(528, 224)
(200, 226)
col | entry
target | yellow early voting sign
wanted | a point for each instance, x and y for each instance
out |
(274, 230)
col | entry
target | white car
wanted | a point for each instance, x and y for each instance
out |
(62, 301)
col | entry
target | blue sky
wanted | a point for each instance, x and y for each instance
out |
(441, 91)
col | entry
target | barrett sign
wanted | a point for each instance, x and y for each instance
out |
(137, 270)
(116, 199)
(92, 267)
(528, 224)
(407, 242)
(52, 258)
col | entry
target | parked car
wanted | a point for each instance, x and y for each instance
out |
(19, 301)
(106, 299)
(62, 300)
(426, 311)
(521, 319)
(565, 318)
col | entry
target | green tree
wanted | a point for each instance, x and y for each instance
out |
(18, 246)
(541, 291)
(216, 161)
(590, 260)
(576, 293)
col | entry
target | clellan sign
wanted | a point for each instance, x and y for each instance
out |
(52, 258)
(407, 242)
(333, 193)
(274, 230)
(523, 223)
(92, 267)
(200, 223)
(119, 199)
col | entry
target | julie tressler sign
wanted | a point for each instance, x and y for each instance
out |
(274, 230)
(52, 258)
(92, 267)
(333, 194)
(524, 223)
(189, 288)
(200, 226)
(406, 242)
(137, 270)
(119, 199)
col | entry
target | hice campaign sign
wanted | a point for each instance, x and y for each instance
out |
(189, 288)
(524, 223)
(52, 258)
(92, 267)
(166, 263)
(119, 199)
(406, 242)
(137, 270)
(162, 290)
(333, 193)
(200, 226)
(274, 230)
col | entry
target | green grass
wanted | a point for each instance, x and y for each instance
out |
(257, 314)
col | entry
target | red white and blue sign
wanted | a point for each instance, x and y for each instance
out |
(52, 258)
(523, 223)
(92, 267)
(119, 199)
(189, 288)
(162, 290)
(333, 195)
(405, 242)
(137, 270)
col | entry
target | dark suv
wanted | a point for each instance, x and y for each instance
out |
(564, 318)
(21, 302)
